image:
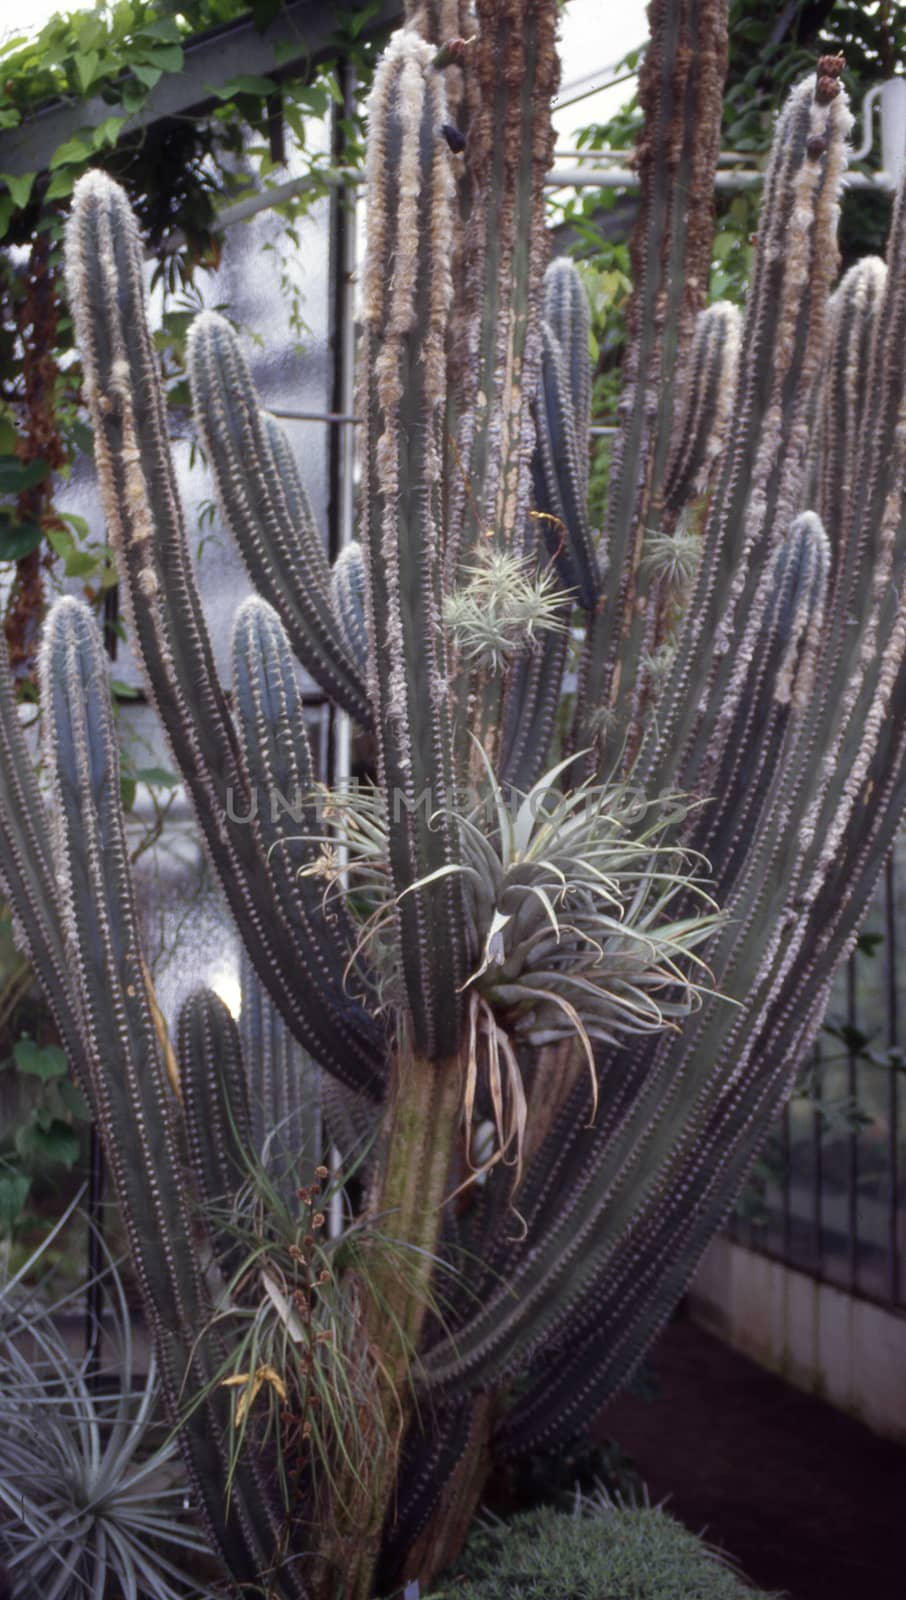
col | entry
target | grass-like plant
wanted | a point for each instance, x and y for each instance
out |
(602, 1550)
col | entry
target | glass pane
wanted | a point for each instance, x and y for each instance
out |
(264, 284)
(873, 1183)
(187, 932)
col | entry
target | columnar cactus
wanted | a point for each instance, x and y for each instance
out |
(500, 931)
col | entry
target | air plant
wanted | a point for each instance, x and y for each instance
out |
(91, 1477)
(501, 608)
(288, 1317)
(674, 557)
(573, 897)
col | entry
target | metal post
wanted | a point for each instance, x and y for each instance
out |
(893, 1068)
(852, 1173)
(341, 428)
(818, 1158)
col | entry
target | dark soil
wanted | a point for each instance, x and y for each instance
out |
(805, 1499)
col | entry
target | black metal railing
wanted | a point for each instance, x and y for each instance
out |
(829, 1195)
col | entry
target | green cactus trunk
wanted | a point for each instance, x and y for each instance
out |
(417, 1169)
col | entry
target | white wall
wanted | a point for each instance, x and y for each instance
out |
(847, 1350)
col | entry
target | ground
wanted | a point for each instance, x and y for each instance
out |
(806, 1499)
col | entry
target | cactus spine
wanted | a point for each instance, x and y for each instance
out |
(443, 962)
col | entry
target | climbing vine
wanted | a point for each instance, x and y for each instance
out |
(180, 171)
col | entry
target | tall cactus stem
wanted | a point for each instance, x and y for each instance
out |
(762, 467)
(406, 296)
(681, 90)
(266, 508)
(418, 1140)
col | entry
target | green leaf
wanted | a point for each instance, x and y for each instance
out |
(6, 213)
(133, 95)
(107, 132)
(128, 791)
(61, 184)
(81, 564)
(61, 542)
(168, 57)
(147, 75)
(356, 21)
(89, 30)
(19, 187)
(17, 475)
(245, 83)
(87, 68)
(39, 1061)
(56, 1143)
(79, 525)
(73, 1100)
(14, 1191)
(157, 777)
(18, 540)
(166, 29)
(8, 436)
(77, 149)
(123, 691)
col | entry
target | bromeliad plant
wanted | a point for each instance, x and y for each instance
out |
(505, 958)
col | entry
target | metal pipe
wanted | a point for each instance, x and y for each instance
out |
(572, 178)
(725, 157)
(574, 92)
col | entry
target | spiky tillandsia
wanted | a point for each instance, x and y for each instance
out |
(782, 714)
(569, 897)
(501, 608)
(90, 1478)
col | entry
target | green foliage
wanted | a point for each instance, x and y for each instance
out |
(600, 1551)
(180, 172)
(773, 45)
(44, 1114)
(605, 276)
(119, 51)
